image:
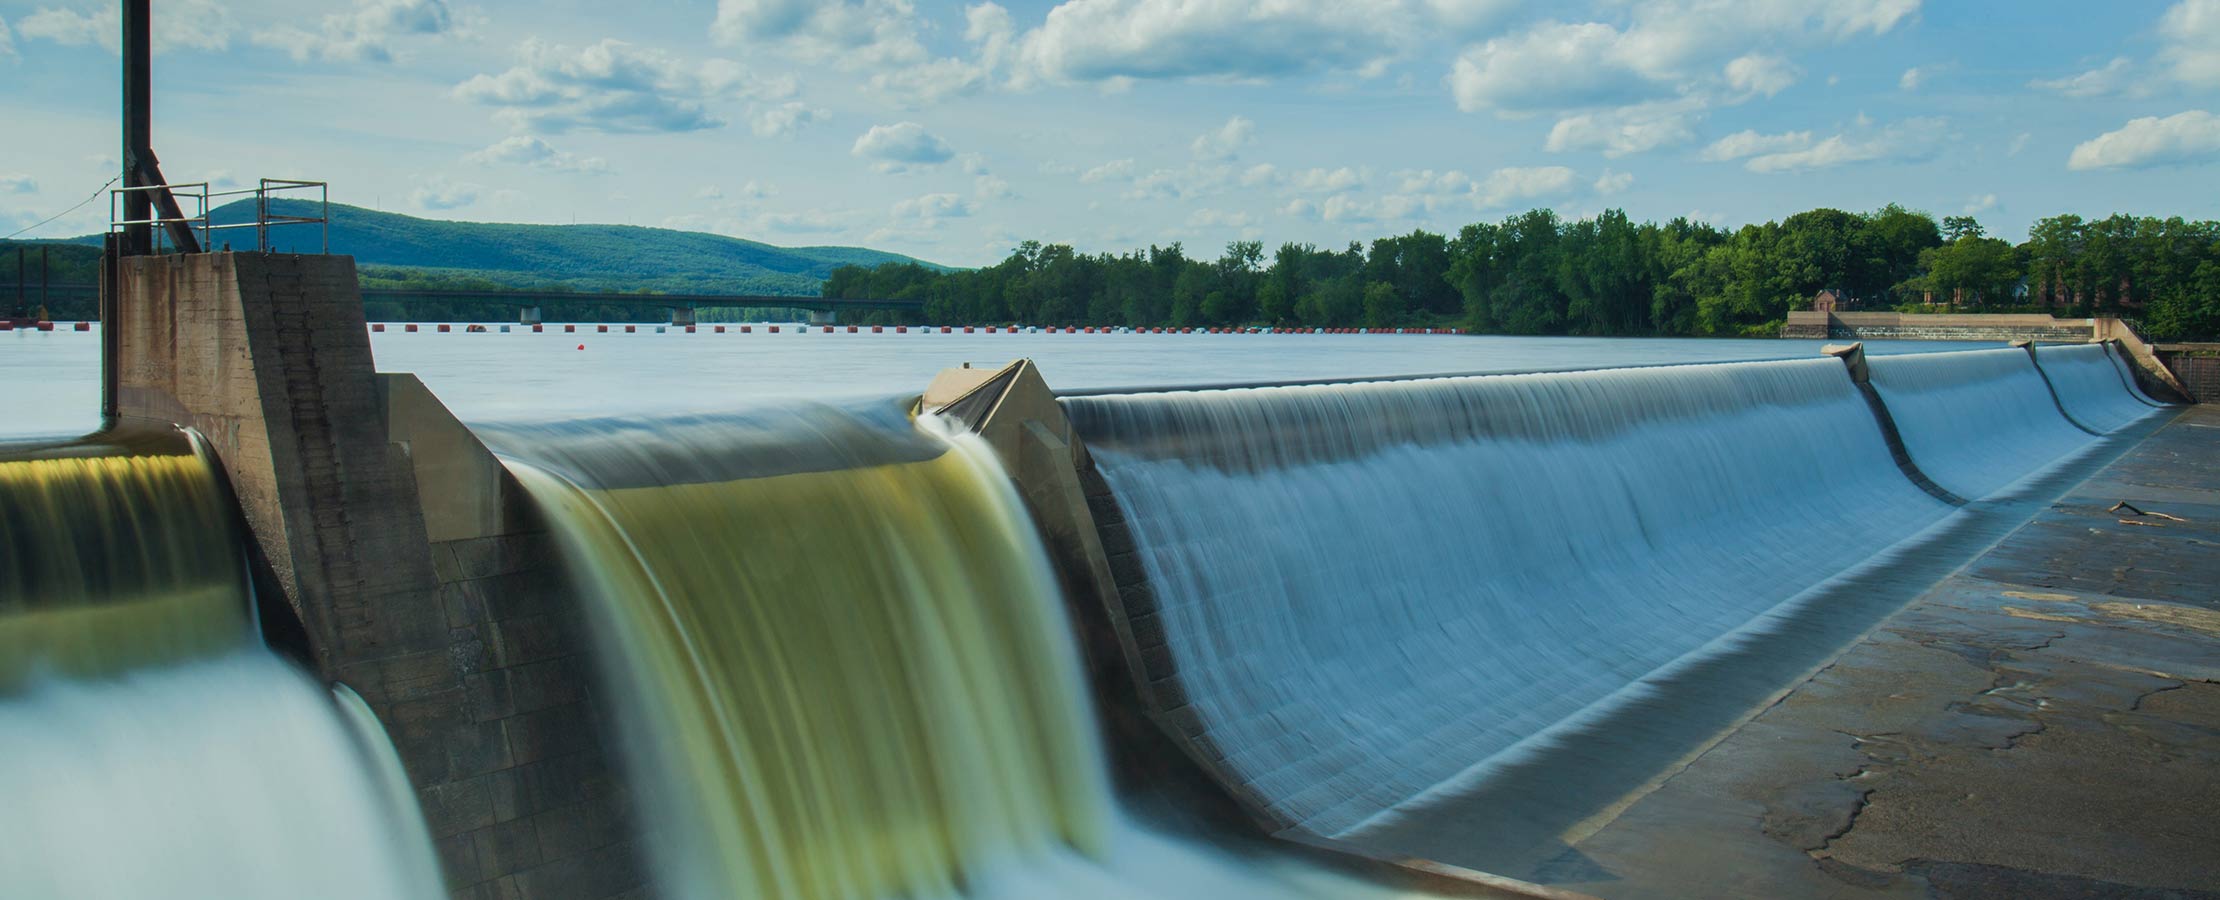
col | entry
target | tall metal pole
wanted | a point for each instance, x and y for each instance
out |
(138, 124)
(110, 335)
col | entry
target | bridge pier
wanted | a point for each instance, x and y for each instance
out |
(408, 554)
(682, 315)
(529, 315)
(823, 317)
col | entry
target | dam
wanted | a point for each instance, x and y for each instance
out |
(1461, 635)
(294, 605)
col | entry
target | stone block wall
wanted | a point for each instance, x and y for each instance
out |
(531, 805)
(1936, 327)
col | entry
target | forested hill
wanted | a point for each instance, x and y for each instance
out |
(583, 257)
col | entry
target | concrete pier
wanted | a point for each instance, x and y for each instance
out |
(405, 551)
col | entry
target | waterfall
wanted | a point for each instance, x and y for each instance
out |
(2089, 386)
(1976, 421)
(1373, 593)
(843, 666)
(152, 746)
(115, 559)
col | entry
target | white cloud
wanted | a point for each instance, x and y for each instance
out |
(2180, 139)
(812, 221)
(1327, 180)
(1743, 144)
(611, 86)
(18, 184)
(178, 25)
(1909, 80)
(1552, 66)
(1428, 181)
(1513, 185)
(850, 33)
(1613, 182)
(2115, 77)
(1114, 170)
(441, 194)
(2019, 143)
(991, 34)
(931, 208)
(1213, 218)
(524, 150)
(1259, 175)
(2191, 30)
(1714, 50)
(365, 34)
(902, 146)
(7, 39)
(1757, 74)
(989, 187)
(1107, 40)
(1190, 181)
(1979, 204)
(1624, 131)
(1226, 141)
(785, 119)
(1908, 140)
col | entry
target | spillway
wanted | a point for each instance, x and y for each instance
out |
(1375, 593)
(2090, 386)
(1977, 421)
(845, 668)
(153, 747)
(116, 556)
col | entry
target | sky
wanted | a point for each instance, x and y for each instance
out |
(953, 131)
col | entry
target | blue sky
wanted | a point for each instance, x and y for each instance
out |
(953, 131)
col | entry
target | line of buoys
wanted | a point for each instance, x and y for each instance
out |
(380, 327)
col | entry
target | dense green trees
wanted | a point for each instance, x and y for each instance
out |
(1535, 273)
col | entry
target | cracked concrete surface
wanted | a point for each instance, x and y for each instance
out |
(2043, 723)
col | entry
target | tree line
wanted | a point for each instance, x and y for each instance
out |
(1538, 273)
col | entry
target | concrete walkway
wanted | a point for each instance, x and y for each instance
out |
(2043, 723)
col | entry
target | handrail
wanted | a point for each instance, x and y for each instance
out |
(200, 220)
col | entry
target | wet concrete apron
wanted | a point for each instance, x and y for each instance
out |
(2043, 723)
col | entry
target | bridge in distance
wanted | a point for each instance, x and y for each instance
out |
(521, 301)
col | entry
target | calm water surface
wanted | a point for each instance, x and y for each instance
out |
(50, 381)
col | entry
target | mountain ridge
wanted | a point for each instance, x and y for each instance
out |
(597, 257)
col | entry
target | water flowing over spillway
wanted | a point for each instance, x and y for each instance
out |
(2090, 386)
(152, 747)
(1375, 591)
(114, 559)
(1977, 421)
(844, 665)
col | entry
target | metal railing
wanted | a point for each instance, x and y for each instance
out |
(200, 197)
